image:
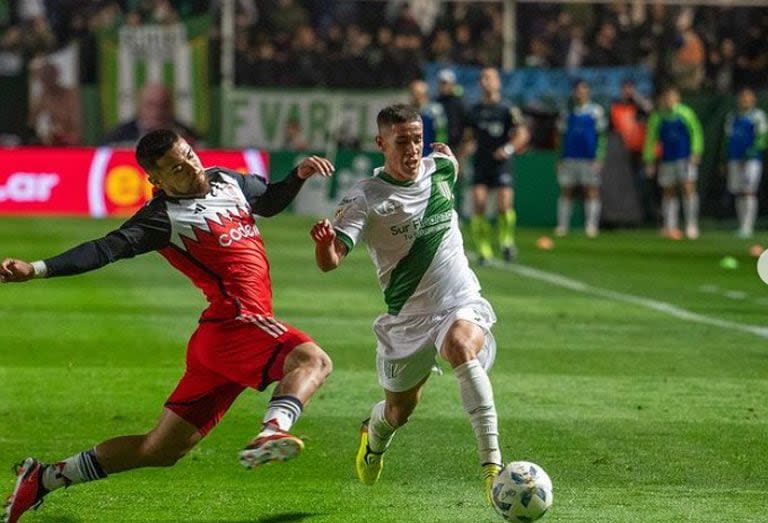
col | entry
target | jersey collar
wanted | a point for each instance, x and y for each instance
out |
(394, 181)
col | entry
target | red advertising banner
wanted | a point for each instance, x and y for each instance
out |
(91, 182)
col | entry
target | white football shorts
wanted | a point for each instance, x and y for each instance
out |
(744, 176)
(407, 346)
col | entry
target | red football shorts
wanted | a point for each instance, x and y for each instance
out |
(225, 358)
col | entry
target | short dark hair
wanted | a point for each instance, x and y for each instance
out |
(397, 113)
(580, 81)
(153, 145)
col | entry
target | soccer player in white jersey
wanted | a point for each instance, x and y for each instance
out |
(405, 216)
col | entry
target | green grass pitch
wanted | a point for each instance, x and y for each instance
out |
(637, 415)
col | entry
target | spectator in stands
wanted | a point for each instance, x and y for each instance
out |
(753, 59)
(441, 47)
(305, 61)
(603, 52)
(575, 48)
(464, 49)
(54, 112)
(538, 54)
(677, 128)
(688, 59)
(722, 67)
(154, 111)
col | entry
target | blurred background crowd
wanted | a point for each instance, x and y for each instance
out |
(372, 43)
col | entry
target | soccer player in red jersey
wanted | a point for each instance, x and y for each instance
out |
(202, 222)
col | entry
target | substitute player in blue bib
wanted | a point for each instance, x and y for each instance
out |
(678, 130)
(582, 150)
(497, 130)
(746, 133)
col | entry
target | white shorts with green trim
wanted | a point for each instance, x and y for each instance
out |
(572, 172)
(744, 176)
(408, 346)
(677, 172)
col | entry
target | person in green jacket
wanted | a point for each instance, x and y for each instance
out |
(678, 130)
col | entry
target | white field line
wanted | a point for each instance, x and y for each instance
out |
(659, 306)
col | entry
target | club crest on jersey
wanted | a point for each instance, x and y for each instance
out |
(387, 207)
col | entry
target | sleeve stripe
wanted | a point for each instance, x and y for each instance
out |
(345, 239)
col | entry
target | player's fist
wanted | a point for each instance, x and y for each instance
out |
(322, 232)
(441, 148)
(314, 165)
(12, 270)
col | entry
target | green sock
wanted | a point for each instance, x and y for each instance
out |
(506, 228)
(481, 232)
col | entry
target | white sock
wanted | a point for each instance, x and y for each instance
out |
(592, 212)
(380, 432)
(477, 396)
(282, 413)
(750, 213)
(691, 209)
(564, 206)
(670, 208)
(79, 468)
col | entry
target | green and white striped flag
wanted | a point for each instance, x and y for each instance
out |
(176, 55)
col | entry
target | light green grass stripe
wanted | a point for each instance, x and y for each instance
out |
(660, 306)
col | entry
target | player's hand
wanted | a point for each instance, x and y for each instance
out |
(597, 165)
(501, 153)
(695, 159)
(322, 232)
(15, 271)
(442, 148)
(314, 165)
(650, 170)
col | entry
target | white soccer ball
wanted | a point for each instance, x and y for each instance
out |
(522, 492)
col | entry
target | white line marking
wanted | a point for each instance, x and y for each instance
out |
(659, 306)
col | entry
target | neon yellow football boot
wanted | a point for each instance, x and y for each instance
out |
(490, 471)
(368, 463)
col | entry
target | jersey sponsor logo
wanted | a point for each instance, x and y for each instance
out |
(28, 187)
(388, 207)
(423, 226)
(241, 232)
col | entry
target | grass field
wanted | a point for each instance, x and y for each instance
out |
(637, 415)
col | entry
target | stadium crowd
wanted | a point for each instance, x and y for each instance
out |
(384, 43)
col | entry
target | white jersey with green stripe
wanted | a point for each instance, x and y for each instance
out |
(412, 234)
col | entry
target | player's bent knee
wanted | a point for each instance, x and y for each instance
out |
(318, 361)
(458, 351)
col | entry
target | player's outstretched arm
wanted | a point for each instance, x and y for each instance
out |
(269, 200)
(13, 270)
(329, 251)
(314, 165)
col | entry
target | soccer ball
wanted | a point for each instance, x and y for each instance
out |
(522, 492)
